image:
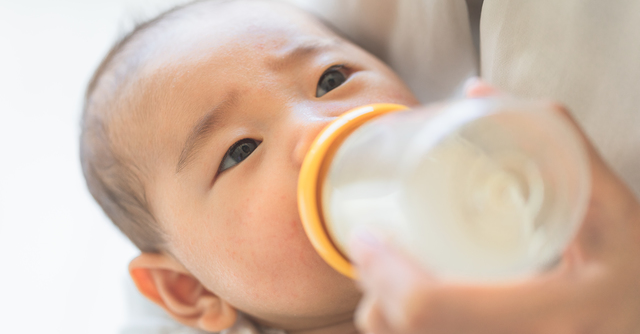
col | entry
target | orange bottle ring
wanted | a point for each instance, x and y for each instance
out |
(312, 174)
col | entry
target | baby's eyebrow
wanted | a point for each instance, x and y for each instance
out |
(301, 51)
(202, 130)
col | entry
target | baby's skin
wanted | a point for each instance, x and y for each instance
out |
(229, 99)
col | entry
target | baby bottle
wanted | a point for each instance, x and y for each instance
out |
(478, 190)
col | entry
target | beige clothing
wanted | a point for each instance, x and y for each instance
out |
(428, 43)
(585, 54)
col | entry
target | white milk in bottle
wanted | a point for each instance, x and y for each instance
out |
(481, 189)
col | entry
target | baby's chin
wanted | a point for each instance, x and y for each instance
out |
(340, 322)
(318, 309)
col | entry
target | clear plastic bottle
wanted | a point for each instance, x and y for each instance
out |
(478, 190)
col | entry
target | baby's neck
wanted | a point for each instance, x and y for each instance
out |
(347, 327)
(344, 327)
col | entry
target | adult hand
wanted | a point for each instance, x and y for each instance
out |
(595, 288)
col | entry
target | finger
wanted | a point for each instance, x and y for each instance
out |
(400, 284)
(369, 318)
(384, 269)
(598, 164)
(410, 299)
(475, 87)
(612, 204)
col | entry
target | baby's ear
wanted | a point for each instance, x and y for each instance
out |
(167, 283)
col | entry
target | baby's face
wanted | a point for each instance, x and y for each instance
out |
(237, 99)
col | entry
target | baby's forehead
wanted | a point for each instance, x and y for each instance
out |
(212, 37)
(179, 55)
(218, 26)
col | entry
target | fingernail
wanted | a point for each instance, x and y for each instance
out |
(470, 82)
(362, 244)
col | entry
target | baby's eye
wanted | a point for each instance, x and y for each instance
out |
(239, 151)
(333, 77)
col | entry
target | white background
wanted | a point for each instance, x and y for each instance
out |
(63, 264)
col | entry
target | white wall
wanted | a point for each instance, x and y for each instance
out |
(62, 263)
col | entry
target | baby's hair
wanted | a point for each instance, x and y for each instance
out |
(114, 179)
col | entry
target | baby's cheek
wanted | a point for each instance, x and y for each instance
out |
(279, 249)
(276, 272)
(259, 258)
(278, 245)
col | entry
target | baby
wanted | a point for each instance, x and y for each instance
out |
(195, 127)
